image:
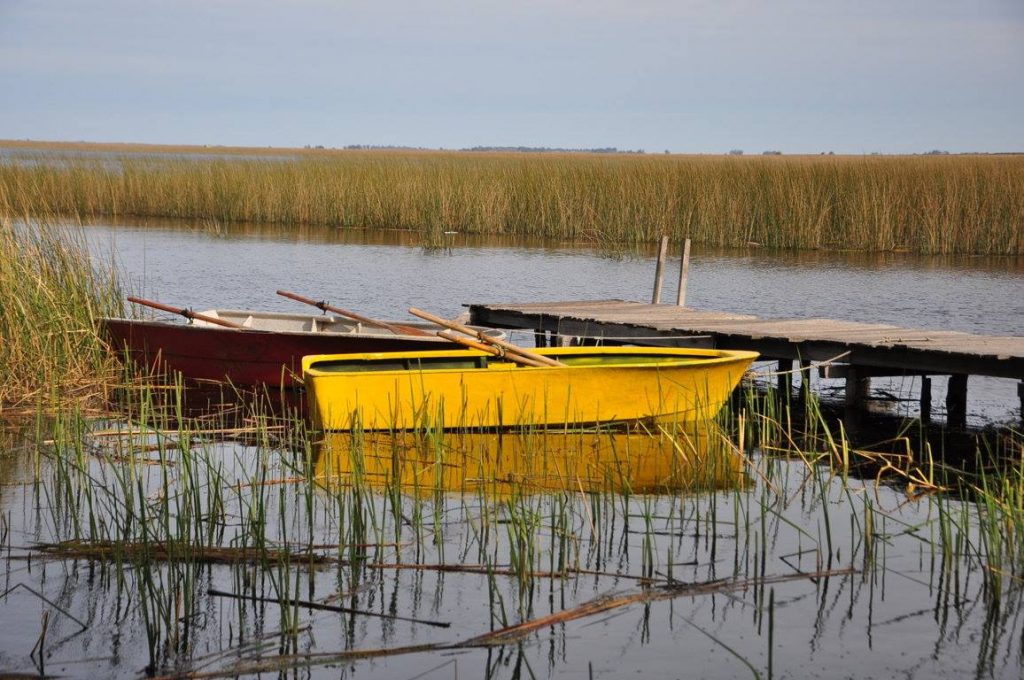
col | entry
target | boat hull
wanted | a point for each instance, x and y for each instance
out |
(604, 385)
(242, 357)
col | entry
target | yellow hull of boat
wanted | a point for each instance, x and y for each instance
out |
(460, 389)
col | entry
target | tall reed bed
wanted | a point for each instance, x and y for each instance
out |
(956, 204)
(51, 293)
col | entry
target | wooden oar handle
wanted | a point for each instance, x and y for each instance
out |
(490, 349)
(187, 313)
(299, 298)
(322, 305)
(466, 342)
(480, 335)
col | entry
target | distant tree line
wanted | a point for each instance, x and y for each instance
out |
(392, 147)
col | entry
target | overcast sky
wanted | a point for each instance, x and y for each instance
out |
(704, 76)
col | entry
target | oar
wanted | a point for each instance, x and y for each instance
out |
(323, 306)
(490, 349)
(479, 335)
(187, 313)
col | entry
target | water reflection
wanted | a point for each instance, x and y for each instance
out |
(508, 463)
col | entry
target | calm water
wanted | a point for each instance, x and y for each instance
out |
(382, 275)
(806, 588)
(821, 577)
(386, 273)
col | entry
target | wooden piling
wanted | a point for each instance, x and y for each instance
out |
(926, 399)
(857, 388)
(684, 274)
(784, 384)
(1020, 394)
(659, 272)
(956, 401)
(805, 381)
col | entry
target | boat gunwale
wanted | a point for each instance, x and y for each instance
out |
(203, 326)
(707, 357)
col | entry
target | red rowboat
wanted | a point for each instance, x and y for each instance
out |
(267, 349)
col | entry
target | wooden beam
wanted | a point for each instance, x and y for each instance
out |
(875, 348)
(835, 371)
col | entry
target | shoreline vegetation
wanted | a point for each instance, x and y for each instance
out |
(239, 530)
(970, 204)
(51, 293)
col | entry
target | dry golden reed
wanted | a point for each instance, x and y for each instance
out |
(948, 204)
(51, 293)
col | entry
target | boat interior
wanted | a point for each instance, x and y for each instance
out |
(470, 361)
(284, 322)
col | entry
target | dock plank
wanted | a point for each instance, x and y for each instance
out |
(870, 344)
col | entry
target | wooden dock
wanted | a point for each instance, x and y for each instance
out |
(856, 351)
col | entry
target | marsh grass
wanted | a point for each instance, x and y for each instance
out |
(235, 529)
(957, 204)
(209, 543)
(51, 293)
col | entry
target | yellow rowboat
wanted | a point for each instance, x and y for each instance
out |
(467, 389)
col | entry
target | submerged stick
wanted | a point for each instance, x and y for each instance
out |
(605, 602)
(511, 634)
(162, 551)
(326, 607)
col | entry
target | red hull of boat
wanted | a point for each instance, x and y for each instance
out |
(241, 357)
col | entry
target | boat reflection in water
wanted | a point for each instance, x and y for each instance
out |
(516, 462)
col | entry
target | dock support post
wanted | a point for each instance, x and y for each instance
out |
(784, 384)
(926, 399)
(956, 401)
(659, 273)
(684, 274)
(805, 382)
(540, 338)
(857, 388)
(1020, 394)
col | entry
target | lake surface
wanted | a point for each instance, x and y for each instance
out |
(241, 266)
(137, 544)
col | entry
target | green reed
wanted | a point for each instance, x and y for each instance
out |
(167, 505)
(956, 204)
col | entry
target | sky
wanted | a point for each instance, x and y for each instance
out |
(700, 76)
